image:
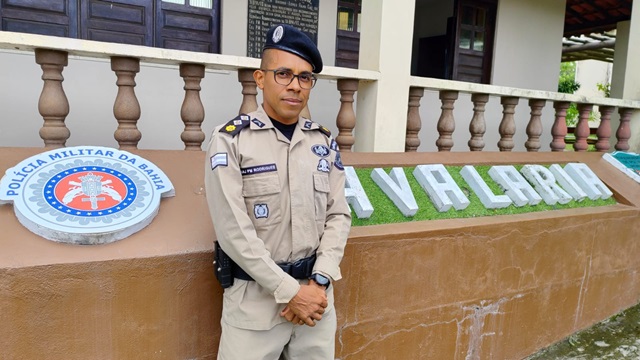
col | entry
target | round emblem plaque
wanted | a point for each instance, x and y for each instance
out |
(84, 194)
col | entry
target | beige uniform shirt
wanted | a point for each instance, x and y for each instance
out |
(273, 201)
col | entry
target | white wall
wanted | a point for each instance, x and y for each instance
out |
(590, 73)
(527, 47)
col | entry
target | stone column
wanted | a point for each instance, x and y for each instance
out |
(382, 105)
(626, 71)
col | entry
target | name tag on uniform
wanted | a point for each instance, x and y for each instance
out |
(252, 170)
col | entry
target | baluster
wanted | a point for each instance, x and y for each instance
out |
(346, 119)
(249, 91)
(126, 108)
(534, 128)
(446, 123)
(192, 111)
(53, 104)
(414, 123)
(508, 125)
(624, 131)
(582, 128)
(559, 128)
(604, 130)
(478, 125)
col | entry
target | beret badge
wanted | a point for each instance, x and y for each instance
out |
(277, 34)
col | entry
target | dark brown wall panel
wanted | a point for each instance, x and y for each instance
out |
(126, 22)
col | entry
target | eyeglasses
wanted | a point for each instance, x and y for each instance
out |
(285, 77)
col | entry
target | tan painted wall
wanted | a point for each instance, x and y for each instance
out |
(488, 288)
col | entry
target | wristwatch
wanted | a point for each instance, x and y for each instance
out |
(321, 280)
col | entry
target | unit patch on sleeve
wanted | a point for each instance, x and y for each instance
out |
(219, 159)
(338, 162)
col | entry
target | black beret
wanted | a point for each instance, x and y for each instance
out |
(290, 39)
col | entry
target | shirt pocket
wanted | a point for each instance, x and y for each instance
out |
(262, 198)
(321, 195)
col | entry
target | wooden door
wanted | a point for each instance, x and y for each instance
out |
(473, 46)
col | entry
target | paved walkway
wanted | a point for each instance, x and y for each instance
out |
(616, 338)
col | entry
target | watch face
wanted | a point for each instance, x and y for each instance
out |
(320, 279)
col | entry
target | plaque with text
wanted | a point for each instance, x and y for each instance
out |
(263, 14)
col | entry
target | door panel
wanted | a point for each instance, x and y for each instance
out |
(53, 17)
(186, 27)
(119, 21)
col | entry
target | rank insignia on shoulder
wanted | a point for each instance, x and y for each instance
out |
(234, 126)
(325, 131)
(307, 124)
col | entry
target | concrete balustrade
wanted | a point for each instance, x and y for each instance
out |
(509, 99)
(126, 59)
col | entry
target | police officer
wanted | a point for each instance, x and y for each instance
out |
(275, 189)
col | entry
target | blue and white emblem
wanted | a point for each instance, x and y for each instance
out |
(320, 150)
(323, 165)
(334, 145)
(258, 123)
(307, 124)
(85, 194)
(261, 211)
(338, 162)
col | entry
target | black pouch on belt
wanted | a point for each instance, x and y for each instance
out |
(223, 267)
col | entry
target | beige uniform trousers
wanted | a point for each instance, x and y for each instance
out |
(283, 341)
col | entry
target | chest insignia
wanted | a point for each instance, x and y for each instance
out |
(261, 211)
(323, 165)
(320, 150)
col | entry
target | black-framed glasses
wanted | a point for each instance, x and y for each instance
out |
(285, 77)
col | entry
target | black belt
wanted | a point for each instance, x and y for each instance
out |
(300, 269)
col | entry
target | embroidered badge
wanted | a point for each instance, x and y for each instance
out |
(219, 159)
(307, 124)
(237, 122)
(334, 145)
(230, 128)
(320, 150)
(259, 123)
(277, 34)
(338, 162)
(261, 211)
(258, 169)
(323, 165)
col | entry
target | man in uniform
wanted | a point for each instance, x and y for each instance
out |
(275, 188)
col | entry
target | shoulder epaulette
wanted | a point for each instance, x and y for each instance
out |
(234, 126)
(324, 130)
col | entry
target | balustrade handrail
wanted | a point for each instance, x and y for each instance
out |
(97, 49)
(472, 88)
